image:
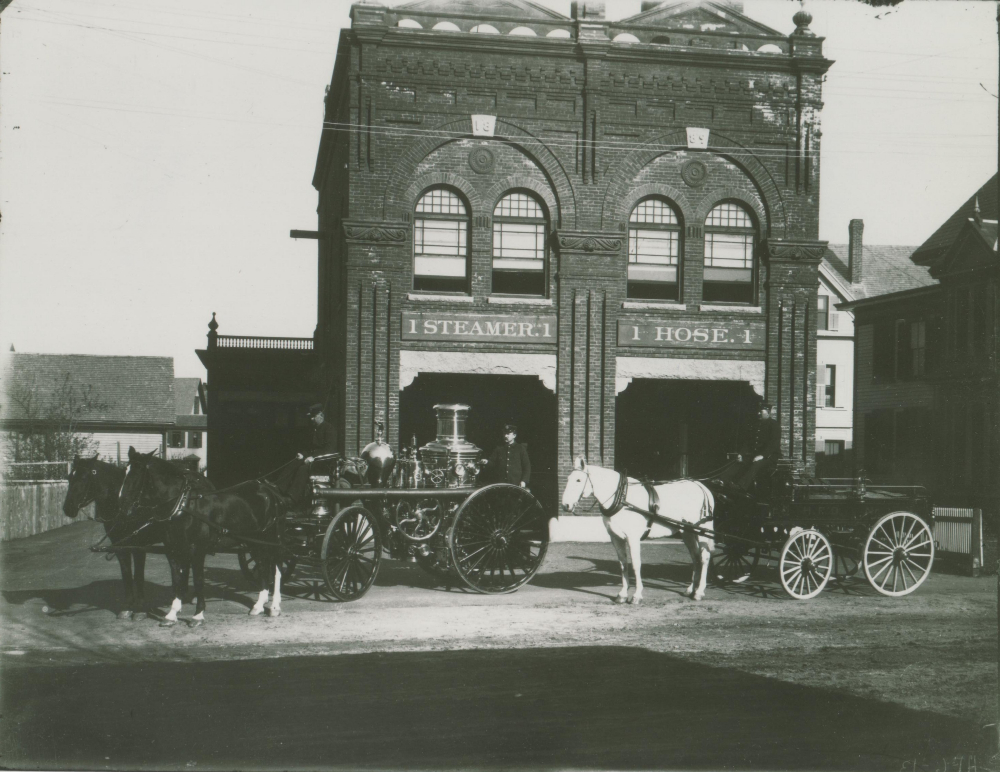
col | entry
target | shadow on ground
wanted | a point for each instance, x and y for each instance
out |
(585, 708)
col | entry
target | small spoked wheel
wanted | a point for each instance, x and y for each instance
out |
(251, 570)
(733, 563)
(418, 521)
(351, 553)
(806, 564)
(499, 538)
(899, 553)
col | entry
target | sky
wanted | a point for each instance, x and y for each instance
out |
(154, 154)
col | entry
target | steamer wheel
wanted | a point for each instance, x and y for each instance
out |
(499, 538)
(733, 563)
(351, 553)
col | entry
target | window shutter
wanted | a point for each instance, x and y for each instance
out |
(834, 321)
(820, 384)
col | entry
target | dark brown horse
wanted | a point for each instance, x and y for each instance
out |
(195, 520)
(93, 481)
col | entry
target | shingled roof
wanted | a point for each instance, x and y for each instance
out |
(126, 389)
(944, 237)
(886, 269)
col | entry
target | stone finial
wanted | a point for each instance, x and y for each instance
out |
(977, 213)
(213, 325)
(212, 334)
(803, 19)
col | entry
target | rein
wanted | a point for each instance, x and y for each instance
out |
(618, 500)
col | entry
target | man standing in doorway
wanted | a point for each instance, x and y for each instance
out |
(509, 462)
(765, 450)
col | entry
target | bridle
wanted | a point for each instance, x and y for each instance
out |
(617, 500)
(179, 504)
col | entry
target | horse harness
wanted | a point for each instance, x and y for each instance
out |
(618, 502)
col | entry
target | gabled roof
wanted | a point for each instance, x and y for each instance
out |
(514, 9)
(185, 392)
(944, 237)
(702, 15)
(975, 246)
(886, 269)
(122, 389)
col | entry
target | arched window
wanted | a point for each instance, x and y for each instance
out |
(519, 249)
(441, 242)
(730, 238)
(654, 248)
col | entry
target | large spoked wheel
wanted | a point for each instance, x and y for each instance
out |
(806, 564)
(351, 553)
(251, 570)
(733, 563)
(899, 553)
(499, 538)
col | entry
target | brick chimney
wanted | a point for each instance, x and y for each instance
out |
(855, 251)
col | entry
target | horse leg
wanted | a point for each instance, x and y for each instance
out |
(139, 605)
(619, 545)
(691, 542)
(275, 610)
(178, 579)
(634, 550)
(704, 558)
(125, 564)
(198, 570)
(262, 578)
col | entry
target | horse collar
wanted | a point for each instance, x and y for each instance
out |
(618, 501)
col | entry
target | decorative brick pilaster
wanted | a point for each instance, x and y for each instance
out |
(792, 282)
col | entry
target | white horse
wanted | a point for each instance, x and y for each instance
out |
(686, 501)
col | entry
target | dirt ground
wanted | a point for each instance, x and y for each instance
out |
(934, 651)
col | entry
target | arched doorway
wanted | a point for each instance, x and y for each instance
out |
(681, 428)
(494, 400)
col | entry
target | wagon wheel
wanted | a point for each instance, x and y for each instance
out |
(499, 538)
(806, 564)
(250, 569)
(899, 553)
(351, 553)
(418, 521)
(733, 563)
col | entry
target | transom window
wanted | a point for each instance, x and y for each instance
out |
(519, 245)
(441, 243)
(653, 251)
(730, 238)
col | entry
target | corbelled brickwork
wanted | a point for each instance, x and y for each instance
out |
(589, 126)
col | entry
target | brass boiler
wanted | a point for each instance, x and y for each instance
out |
(380, 460)
(450, 461)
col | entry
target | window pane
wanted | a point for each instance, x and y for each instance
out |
(518, 205)
(440, 201)
(659, 247)
(644, 272)
(652, 210)
(822, 312)
(729, 216)
(729, 250)
(440, 247)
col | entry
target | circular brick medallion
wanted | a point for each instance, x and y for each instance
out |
(481, 160)
(694, 173)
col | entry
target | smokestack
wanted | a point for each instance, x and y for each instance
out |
(855, 251)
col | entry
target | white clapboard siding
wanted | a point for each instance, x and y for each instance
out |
(109, 443)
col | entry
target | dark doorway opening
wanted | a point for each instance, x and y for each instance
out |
(494, 400)
(666, 429)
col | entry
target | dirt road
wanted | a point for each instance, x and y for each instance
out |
(556, 674)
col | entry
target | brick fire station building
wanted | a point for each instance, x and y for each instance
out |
(603, 231)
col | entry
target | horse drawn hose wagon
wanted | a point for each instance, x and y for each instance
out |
(814, 529)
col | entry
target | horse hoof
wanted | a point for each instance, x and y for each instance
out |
(125, 615)
(634, 601)
(698, 596)
(168, 622)
(274, 612)
(256, 612)
(195, 622)
(620, 599)
(138, 616)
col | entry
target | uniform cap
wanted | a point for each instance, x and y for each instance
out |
(315, 409)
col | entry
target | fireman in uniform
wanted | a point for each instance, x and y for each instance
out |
(765, 449)
(509, 462)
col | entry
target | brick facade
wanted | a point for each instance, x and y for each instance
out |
(589, 126)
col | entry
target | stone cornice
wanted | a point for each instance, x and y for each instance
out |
(376, 232)
(589, 243)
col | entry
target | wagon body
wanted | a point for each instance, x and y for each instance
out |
(831, 528)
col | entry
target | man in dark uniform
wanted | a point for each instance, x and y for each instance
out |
(323, 441)
(765, 450)
(509, 462)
